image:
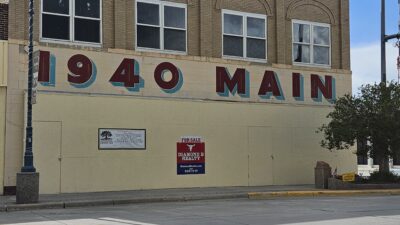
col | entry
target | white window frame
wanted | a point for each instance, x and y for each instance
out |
(244, 16)
(72, 17)
(311, 44)
(162, 26)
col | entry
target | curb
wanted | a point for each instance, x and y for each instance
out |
(251, 195)
(92, 203)
(25, 207)
(82, 203)
(269, 195)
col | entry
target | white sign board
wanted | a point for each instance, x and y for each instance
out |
(110, 139)
(191, 139)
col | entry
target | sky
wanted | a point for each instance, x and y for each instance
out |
(365, 41)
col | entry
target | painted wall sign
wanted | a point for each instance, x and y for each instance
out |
(80, 73)
(122, 139)
(190, 156)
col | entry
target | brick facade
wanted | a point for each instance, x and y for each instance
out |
(204, 25)
(3, 21)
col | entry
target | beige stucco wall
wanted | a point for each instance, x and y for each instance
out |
(3, 63)
(249, 141)
(2, 134)
(16, 84)
(3, 89)
(225, 127)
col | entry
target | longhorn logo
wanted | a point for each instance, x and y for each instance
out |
(191, 146)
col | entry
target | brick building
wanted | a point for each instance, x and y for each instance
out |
(3, 21)
(144, 94)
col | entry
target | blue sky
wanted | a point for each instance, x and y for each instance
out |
(365, 40)
(365, 17)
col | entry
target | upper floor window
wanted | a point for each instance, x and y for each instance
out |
(71, 21)
(161, 26)
(311, 43)
(244, 35)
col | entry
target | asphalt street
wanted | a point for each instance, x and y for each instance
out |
(382, 210)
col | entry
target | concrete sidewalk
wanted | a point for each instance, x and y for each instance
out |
(7, 203)
(322, 193)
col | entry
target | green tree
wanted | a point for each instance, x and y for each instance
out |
(371, 118)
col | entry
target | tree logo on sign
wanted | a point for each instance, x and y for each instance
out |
(106, 135)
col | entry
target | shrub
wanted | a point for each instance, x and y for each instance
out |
(383, 177)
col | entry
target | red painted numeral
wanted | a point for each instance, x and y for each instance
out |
(81, 69)
(125, 74)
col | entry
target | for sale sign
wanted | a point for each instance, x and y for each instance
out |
(190, 156)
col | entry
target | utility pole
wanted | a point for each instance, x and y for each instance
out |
(384, 39)
(28, 179)
(383, 42)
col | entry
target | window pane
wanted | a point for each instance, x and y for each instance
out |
(174, 17)
(174, 40)
(255, 27)
(59, 6)
(321, 35)
(148, 13)
(87, 8)
(396, 160)
(148, 37)
(256, 48)
(321, 55)
(301, 53)
(56, 27)
(233, 24)
(301, 33)
(87, 30)
(233, 46)
(362, 160)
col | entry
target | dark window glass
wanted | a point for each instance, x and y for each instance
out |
(87, 8)
(174, 17)
(301, 53)
(396, 160)
(233, 46)
(362, 159)
(148, 37)
(321, 35)
(321, 55)
(148, 13)
(56, 6)
(255, 27)
(87, 30)
(376, 161)
(233, 24)
(55, 27)
(174, 40)
(255, 48)
(301, 33)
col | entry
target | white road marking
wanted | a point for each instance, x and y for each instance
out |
(381, 220)
(99, 221)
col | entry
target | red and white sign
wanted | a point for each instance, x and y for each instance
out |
(191, 153)
(190, 156)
